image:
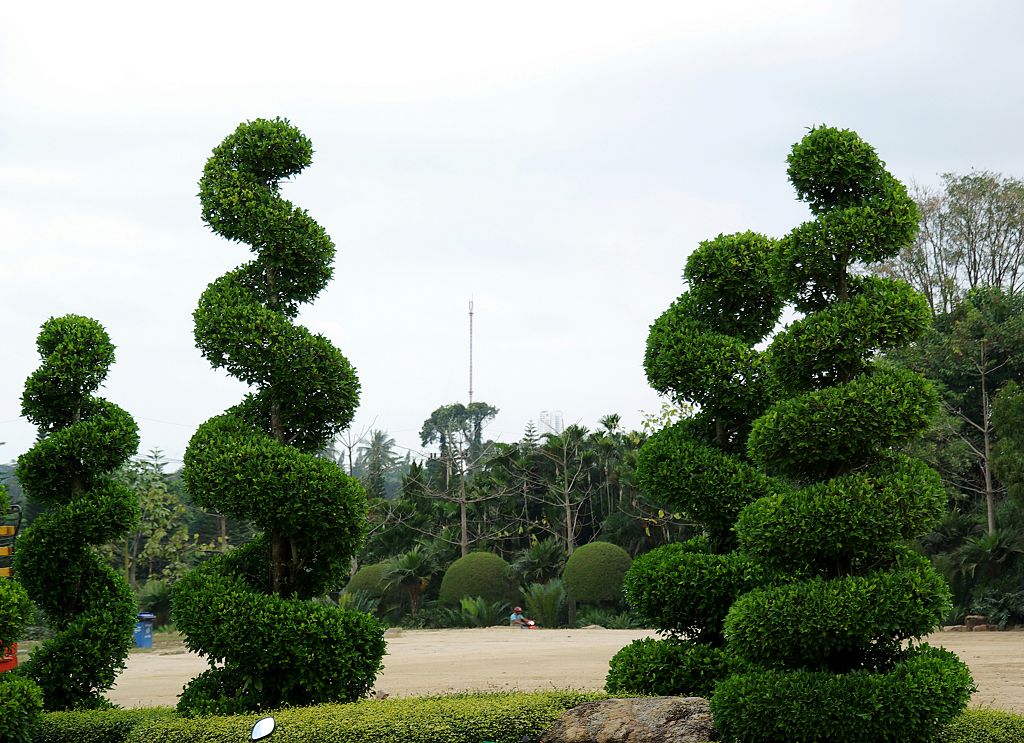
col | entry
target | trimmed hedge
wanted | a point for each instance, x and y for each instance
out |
(838, 624)
(984, 726)
(96, 726)
(480, 574)
(909, 704)
(461, 718)
(594, 572)
(685, 589)
(484, 716)
(668, 667)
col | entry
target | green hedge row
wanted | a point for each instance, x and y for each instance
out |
(984, 726)
(469, 718)
(460, 718)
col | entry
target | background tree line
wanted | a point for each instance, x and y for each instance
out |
(968, 261)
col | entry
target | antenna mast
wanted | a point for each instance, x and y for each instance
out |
(470, 351)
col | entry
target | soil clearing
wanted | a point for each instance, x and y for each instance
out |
(425, 662)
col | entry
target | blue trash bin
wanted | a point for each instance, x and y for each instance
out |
(144, 630)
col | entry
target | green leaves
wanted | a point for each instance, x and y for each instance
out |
(82, 439)
(250, 608)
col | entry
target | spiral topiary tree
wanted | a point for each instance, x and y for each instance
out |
(251, 610)
(701, 352)
(82, 439)
(826, 645)
(21, 700)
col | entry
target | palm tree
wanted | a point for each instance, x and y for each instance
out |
(410, 572)
(378, 460)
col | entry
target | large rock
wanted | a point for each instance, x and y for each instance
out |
(648, 720)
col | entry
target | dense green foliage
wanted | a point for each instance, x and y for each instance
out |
(474, 717)
(685, 589)
(702, 351)
(461, 718)
(910, 702)
(825, 639)
(663, 667)
(480, 574)
(96, 726)
(594, 572)
(371, 579)
(984, 726)
(252, 610)
(82, 438)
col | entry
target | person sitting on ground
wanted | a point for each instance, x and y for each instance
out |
(517, 618)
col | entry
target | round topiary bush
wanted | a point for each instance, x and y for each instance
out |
(595, 571)
(480, 574)
(370, 580)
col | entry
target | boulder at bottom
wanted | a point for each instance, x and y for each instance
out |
(647, 720)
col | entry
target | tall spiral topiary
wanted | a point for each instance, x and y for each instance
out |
(251, 609)
(830, 647)
(701, 352)
(82, 438)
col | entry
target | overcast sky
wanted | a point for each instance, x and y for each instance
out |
(554, 161)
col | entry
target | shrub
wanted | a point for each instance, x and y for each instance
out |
(96, 726)
(252, 611)
(908, 704)
(702, 351)
(545, 603)
(358, 601)
(155, 596)
(984, 726)
(594, 572)
(602, 616)
(478, 612)
(668, 667)
(370, 580)
(478, 574)
(824, 640)
(82, 440)
(685, 589)
(468, 718)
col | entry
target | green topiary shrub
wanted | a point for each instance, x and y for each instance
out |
(594, 572)
(482, 574)
(701, 352)
(686, 589)
(83, 439)
(911, 702)
(826, 641)
(662, 667)
(252, 610)
(370, 580)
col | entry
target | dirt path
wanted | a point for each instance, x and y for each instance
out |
(438, 661)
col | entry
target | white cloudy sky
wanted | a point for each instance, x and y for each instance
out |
(555, 161)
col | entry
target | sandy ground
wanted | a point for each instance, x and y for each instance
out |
(438, 661)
